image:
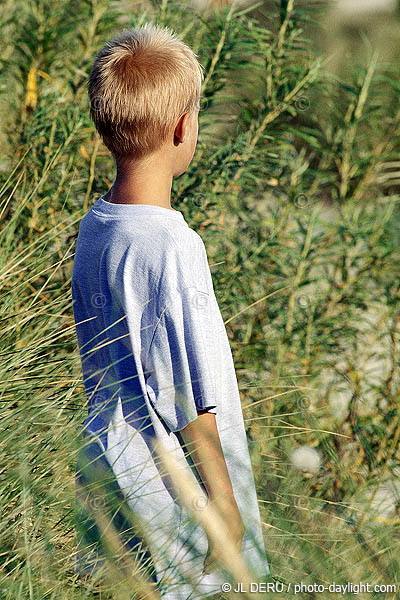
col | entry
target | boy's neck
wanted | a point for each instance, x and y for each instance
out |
(148, 184)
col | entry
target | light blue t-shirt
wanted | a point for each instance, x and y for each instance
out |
(154, 351)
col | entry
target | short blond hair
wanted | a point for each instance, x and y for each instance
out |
(141, 82)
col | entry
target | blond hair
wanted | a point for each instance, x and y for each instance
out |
(141, 82)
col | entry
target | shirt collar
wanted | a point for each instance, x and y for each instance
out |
(132, 210)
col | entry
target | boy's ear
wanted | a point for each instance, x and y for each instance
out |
(180, 129)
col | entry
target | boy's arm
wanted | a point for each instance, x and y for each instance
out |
(202, 440)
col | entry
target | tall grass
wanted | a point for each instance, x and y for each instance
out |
(294, 189)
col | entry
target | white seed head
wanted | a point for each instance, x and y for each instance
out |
(306, 459)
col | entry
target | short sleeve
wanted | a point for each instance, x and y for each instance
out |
(178, 370)
(211, 409)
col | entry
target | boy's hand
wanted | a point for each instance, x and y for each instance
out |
(236, 529)
(201, 438)
(211, 562)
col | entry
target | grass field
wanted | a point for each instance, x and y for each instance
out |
(294, 189)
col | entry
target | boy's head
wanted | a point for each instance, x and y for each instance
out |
(142, 83)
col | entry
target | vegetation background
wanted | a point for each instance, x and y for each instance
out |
(295, 191)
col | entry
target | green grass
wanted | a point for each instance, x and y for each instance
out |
(294, 189)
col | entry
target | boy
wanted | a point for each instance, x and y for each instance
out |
(155, 356)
